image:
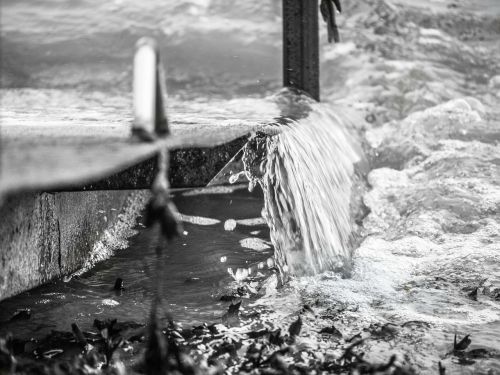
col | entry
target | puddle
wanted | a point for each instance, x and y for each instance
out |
(195, 273)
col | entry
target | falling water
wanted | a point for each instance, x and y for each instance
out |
(306, 172)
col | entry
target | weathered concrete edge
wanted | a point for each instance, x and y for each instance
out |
(189, 167)
(119, 156)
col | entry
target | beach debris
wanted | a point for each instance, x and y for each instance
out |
(331, 331)
(307, 309)
(231, 318)
(118, 285)
(21, 314)
(295, 327)
(383, 331)
(275, 337)
(327, 8)
(234, 309)
(464, 357)
(204, 349)
(80, 338)
(462, 344)
(473, 294)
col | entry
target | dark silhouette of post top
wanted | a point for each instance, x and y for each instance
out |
(301, 46)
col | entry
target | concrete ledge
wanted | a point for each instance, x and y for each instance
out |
(189, 167)
(42, 151)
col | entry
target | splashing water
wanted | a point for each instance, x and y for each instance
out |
(306, 173)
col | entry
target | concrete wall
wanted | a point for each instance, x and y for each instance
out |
(49, 235)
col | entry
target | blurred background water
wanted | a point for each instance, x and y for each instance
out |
(218, 48)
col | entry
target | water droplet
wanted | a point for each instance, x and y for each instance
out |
(270, 262)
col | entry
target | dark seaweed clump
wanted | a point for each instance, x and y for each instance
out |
(255, 347)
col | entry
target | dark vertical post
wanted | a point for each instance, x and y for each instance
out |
(301, 46)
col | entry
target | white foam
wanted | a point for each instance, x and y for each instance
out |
(197, 220)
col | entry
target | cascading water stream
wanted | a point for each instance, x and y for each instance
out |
(306, 172)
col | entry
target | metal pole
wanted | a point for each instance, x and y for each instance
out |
(144, 89)
(301, 46)
(149, 92)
